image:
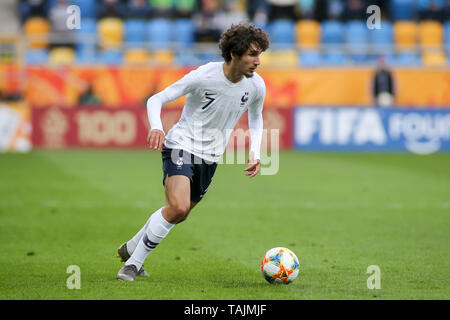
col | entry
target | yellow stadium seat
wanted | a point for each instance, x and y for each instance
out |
(434, 59)
(37, 30)
(62, 55)
(308, 33)
(405, 34)
(137, 56)
(110, 33)
(431, 33)
(162, 57)
(279, 58)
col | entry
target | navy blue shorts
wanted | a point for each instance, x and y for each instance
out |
(181, 162)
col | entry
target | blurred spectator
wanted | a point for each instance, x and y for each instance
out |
(320, 10)
(257, 11)
(138, 9)
(329, 10)
(383, 85)
(111, 8)
(335, 9)
(208, 21)
(161, 8)
(88, 98)
(306, 8)
(233, 14)
(185, 8)
(431, 10)
(61, 35)
(383, 5)
(32, 8)
(447, 10)
(354, 10)
(282, 9)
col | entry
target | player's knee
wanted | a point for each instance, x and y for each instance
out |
(182, 209)
(178, 212)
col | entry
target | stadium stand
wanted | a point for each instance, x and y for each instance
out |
(310, 58)
(431, 34)
(159, 33)
(382, 39)
(320, 31)
(110, 32)
(136, 56)
(282, 32)
(308, 33)
(332, 32)
(405, 34)
(37, 30)
(434, 59)
(62, 55)
(135, 32)
(402, 9)
(36, 56)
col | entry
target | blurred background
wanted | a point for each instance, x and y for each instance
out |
(363, 75)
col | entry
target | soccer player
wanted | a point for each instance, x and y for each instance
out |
(218, 93)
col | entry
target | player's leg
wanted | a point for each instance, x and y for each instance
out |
(178, 205)
(178, 202)
(127, 249)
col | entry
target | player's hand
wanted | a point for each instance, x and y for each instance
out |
(253, 167)
(155, 139)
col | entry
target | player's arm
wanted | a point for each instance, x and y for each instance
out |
(255, 125)
(156, 135)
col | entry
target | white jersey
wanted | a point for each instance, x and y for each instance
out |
(213, 106)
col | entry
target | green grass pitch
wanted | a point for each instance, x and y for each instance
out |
(340, 213)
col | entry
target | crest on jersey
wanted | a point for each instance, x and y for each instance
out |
(244, 99)
(180, 162)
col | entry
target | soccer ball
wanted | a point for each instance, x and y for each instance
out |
(280, 265)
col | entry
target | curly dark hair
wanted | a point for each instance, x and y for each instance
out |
(238, 39)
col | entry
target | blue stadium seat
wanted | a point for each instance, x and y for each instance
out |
(88, 8)
(282, 33)
(113, 57)
(36, 56)
(159, 33)
(135, 32)
(447, 33)
(332, 32)
(402, 9)
(186, 59)
(407, 59)
(88, 25)
(86, 54)
(205, 57)
(183, 32)
(86, 40)
(382, 38)
(335, 58)
(310, 58)
(360, 58)
(356, 36)
(389, 58)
